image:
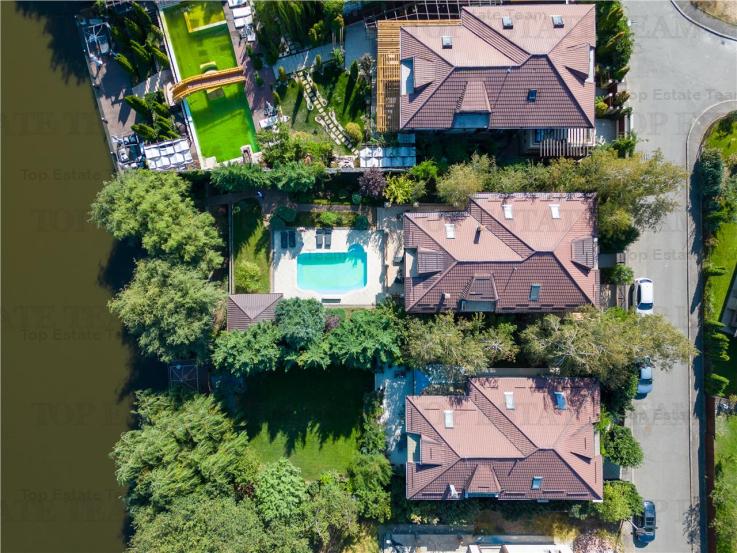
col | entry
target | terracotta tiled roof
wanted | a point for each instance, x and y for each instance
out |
(498, 248)
(247, 309)
(499, 66)
(503, 433)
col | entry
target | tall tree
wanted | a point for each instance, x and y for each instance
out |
(369, 476)
(300, 321)
(464, 180)
(183, 446)
(169, 308)
(366, 338)
(154, 206)
(621, 501)
(244, 353)
(332, 514)
(280, 492)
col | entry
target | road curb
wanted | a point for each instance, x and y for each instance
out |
(707, 28)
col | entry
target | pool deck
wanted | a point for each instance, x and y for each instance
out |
(284, 266)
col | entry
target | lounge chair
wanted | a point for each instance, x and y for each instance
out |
(318, 238)
(284, 238)
(328, 238)
(292, 239)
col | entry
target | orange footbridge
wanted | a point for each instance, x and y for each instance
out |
(207, 81)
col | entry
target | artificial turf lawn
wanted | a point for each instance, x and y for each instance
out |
(251, 239)
(202, 14)
(223, 124)
(310, 416)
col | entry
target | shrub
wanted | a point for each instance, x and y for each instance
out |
(339, 56)
(301, 322)
(328, 219)
(621, 274)
(713, 270)
(621, 447)
(247, 277)
(361, 223)
(426, 171)
(282, 74)
(601, 107)
(258, 78)
(285, 213)
(621, 501)
(276, 97)
(401, 189)
(354, 131)
(372, 183)
(716, 385)
(356, 198)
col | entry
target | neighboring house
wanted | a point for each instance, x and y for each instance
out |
(506, 253)
(507, 438)
(247, 309)
(528, 67)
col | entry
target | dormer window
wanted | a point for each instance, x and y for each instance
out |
(447, 41)
(532, 95)
(537, 482)
(507, 22)
(535, 292)
(557, 21)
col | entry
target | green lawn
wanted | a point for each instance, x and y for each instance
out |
(310, 416)
(251, 239)
(223, 122)
(338, 89)
(724, 136)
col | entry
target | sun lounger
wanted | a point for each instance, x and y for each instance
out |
(242, 12)
(188, 157)
(292, 239)
(318, 238)
(236, 3)
(239, 22)
(181, 146)
(328, 238)
(284, 240)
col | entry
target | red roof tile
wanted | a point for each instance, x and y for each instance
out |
(490, 448)
(505, 64)
(553, 247)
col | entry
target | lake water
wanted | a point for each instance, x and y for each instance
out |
(66, 371)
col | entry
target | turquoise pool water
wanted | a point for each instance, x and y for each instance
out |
(332, 272)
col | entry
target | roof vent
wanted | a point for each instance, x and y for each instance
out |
(557, 21)
(507, 211)
(537, 482)
(532, 95)
(447, 41)
(534, 292)
(555, 211)
(448, 418)
(507, 22)
(450, 230)
(509, 400)
(560, 401)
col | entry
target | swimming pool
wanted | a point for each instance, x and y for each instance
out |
(332, 272)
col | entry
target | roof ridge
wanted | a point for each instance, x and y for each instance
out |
(508, 41)
(409, 398)
(573, 471)
(566, 271)
(450, 466)
(565, 36)
(437, 87)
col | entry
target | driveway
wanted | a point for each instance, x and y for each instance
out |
(678, 71)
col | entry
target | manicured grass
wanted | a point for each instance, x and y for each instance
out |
(310, 416)
(724, 136)
(251, 239)
(223, 122)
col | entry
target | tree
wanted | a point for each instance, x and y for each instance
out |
(371, 183)
(200, 524)
(605, 344)
(317, 66)
(139, 105)
(498, 342)
(300, 321)
(164, 459)
(621, 274)
(169, 308)
(464, 180)
(294, 176)
(244, 353)
(425, 172)
(280, 492)
(147, 132)
(621, 447)
(366, 68)
(332, 514)
(126, 64)
(621, 501)
(369, 476)
(368, 337)
(401, 189)
(154, 207)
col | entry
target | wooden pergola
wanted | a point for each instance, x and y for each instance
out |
(388, 70)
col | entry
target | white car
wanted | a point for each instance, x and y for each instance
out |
(644, 296)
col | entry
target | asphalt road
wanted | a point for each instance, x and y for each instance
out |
(678, 72)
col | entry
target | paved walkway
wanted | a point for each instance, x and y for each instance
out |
(679, 70)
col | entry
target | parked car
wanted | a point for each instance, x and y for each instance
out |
(645, 374)
(644, 296)
(643, 525)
